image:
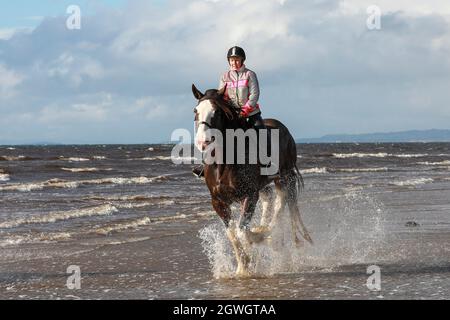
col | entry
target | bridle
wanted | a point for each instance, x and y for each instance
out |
(205, 123)
(202, 122)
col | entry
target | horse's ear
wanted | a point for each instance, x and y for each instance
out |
(197, 94)
(222, 91)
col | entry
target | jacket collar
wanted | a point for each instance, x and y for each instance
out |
(240, 69)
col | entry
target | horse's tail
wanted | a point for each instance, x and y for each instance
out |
(299, 177)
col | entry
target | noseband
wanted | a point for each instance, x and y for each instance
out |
(205, 123)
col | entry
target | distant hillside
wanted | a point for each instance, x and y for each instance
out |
(433, 135)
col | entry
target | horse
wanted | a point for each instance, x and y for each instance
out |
(229, 183)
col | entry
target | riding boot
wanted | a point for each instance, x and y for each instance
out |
(199, 171)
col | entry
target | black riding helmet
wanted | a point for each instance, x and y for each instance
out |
(236, 52)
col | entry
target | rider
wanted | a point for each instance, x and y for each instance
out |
(242, 87)
(242, 91)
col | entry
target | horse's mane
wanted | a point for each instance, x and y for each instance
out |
(229, 110)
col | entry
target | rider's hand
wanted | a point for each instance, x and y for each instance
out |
(246, 110)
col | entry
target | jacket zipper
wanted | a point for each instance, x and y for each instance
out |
(237, 88)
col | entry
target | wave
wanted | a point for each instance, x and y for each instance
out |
(73, 159)
(85, 169)
(99, 158)
(129, 205)
(150, 158)
(39, 238)
(440, 163)
(17, 158)
(383, 169)
(334, 170)
(154, 199)
(360, 155)
(106, 230)
(60, 183)
(52, 217)
(412, 182)
(167, 158)
(377, 155)
(134, 224)
(314, 170)
(417, 155)
(4, 177)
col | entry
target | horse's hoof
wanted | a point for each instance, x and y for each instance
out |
(257, 237)
(242, 272)
(260, 229)
(298, 242)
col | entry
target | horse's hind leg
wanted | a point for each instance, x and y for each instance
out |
(266, 196)
(280, 202)
(298, 228)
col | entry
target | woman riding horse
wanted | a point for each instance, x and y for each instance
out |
(242, 91)
(230, 182)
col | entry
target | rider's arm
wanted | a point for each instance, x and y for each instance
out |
(222, 84)
(253, 87)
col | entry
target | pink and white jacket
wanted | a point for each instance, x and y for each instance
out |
(242, 90)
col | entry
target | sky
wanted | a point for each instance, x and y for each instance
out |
(125, 76)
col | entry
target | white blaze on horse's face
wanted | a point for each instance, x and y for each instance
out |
(205, 112)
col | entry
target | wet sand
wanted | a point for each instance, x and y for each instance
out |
(167, 262)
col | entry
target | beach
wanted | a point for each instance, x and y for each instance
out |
(138, 226)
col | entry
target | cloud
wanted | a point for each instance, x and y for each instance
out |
(321, 70)
(9, 80)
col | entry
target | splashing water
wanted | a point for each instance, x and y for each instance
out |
(347, 230)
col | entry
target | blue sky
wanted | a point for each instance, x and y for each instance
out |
(125, 77)
(29, 13)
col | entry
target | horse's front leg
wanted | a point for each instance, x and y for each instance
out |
(242, 259)
(248, 206)
(223, 210)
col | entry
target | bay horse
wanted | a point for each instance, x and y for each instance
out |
(229, 183)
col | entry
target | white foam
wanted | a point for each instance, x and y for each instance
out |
(413, 182)
(440, 163)
(60, 183)
(377, 155)
(417, 155)
(360, 155)
(12, 158)
(383, 169)
(136, 223)
(74, 159)
(52, 217)
(314, 170)
(167, 158)
(131, 205)
(349, 232)
(123, 226)
(15, 240)
(99, 157)
(4, 177)
(82, 169)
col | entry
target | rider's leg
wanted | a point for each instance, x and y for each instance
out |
(258, 123)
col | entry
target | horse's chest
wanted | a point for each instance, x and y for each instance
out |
(233, 187)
